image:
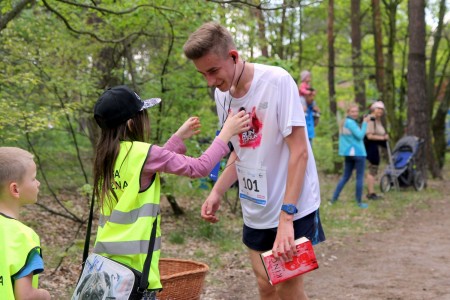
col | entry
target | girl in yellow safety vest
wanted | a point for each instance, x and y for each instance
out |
(126, 174)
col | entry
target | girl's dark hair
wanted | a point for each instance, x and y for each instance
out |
(107, 150)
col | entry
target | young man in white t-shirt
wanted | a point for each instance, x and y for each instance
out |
(272, 162)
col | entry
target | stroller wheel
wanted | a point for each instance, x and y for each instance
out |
(419, 181)
(385, 183)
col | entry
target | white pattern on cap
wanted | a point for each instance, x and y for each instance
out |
(150, 102)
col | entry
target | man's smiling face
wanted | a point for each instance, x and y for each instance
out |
(217, 71)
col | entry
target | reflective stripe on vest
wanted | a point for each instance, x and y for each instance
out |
(126, 248)
(120, 217)
(125, 226)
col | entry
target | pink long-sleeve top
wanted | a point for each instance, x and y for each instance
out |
(304, 86)
(171, 159)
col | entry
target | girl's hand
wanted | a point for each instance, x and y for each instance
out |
(189, 128)
(235, 124)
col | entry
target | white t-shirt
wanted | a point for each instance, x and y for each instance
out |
(273, 102)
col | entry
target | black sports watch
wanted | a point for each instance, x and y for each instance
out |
(290, 209)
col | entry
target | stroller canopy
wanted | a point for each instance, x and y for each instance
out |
(409, 141)
(405, 148)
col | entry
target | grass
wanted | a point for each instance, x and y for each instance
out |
(339, 220)
(345, 218)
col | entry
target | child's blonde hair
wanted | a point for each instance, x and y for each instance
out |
(14, 162)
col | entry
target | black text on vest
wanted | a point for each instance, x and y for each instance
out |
(118, 184)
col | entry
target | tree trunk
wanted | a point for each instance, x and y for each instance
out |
(417, 102)
(378, 41)
(300, 40)
(290, 50)
(128, 55)
(105, 64)
(261, 31)
(358, 75)
(438, 129)
(177, 210)
(438, 123)
(331, 58)
(389, 84)
(14, 12)
(280, 46)
(331, 85)
(402, 94)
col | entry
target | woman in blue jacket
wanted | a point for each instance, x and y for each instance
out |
(351, 146)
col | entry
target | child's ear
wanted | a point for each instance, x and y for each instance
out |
(14, 189)
(130, 125)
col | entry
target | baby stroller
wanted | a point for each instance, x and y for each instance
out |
(401, 171)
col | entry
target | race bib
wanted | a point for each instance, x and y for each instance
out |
(252, 184)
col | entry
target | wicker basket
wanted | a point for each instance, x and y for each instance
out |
(181, 279)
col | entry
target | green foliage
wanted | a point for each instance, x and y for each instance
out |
(50, 75)
(86, 190)
(324, 153)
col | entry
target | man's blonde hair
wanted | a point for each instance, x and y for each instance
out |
(13, 164)
(209, 38)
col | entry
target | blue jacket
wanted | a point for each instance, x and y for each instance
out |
(309, 118)
(351, 138)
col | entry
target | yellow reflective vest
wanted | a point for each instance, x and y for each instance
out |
(16, 242)
(124, 229)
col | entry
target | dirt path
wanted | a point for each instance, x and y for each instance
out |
(407, 260)
(410, 260)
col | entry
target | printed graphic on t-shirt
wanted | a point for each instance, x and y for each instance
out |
(252, 137)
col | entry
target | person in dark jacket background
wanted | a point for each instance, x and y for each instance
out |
(375, 136)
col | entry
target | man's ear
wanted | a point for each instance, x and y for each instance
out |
(234, 55)
(14, 189)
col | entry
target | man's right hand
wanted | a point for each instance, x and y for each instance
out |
(210, 207)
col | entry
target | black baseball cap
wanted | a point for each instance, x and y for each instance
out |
(119, 104)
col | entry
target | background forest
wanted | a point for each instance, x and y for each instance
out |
(57, 56)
